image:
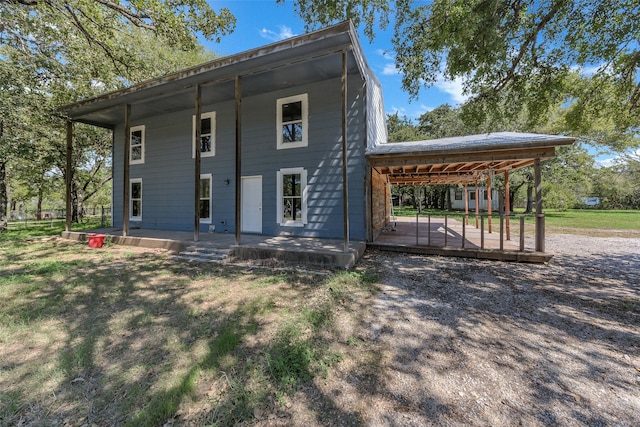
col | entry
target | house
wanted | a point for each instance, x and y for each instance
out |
(458, 195)
(288, 139)
(294, 111)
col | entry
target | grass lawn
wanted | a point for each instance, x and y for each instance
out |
(621, 223)
(127, 336)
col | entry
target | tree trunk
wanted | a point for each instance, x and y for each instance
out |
(39, 207)
(529, 198)
(3, 195)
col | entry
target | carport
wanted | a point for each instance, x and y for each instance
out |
(465, 160)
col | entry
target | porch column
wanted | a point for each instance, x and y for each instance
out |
(507, 204)
(238, 96)
(539, 215)
(345, 183)
(477, 203)
(489, 202)
(67, 178)
(125, 173)
(198, 155)
(466, 203)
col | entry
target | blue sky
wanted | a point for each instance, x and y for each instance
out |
(261, 22)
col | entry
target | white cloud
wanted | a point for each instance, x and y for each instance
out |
(390, 69)
(616, 160)
(283, 32)
(453, 88)
(389, 56)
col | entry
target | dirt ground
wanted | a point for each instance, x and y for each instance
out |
(467, 342)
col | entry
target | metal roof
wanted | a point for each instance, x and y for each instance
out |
(295, 61)
(461, 160)
(470, 143)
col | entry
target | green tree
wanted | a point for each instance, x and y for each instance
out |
(515, 56)
(401, 129)
(56, 52)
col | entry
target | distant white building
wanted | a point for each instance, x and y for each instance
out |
(457, 198)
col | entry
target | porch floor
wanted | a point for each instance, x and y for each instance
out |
(431, 240)
(329, 252)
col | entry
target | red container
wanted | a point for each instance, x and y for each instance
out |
(96, 240)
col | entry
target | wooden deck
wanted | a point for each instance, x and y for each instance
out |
(433, 240)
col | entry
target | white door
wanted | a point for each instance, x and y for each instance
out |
(251, 206)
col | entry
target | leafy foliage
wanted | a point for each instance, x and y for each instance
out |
(516, 57)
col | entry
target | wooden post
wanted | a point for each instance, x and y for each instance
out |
(521, 233)
(445, 230)
(464, 234)
(126, 184)
(238, 97)
(417, 228)
(345, 183)
(466, 204)
(196, 166)
(501, 232)
(539, 214)
(507, 204)
(482, 233)
(68, 180)
(477, 203)
(489, 202)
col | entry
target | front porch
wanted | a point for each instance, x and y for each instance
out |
(326, 252)
(451, 236)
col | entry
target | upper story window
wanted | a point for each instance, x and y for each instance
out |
(293, 121)
(207, 135)
(136, 150)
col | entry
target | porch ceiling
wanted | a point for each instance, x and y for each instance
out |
(462, 160)
(297, 61)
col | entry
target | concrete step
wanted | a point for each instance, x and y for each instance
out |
(203, 254)
(208, 250)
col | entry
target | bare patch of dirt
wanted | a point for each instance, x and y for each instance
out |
(468, 342)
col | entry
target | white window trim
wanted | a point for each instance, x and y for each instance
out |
(211, 115)
(131, 217)
(303, 192)
(210, 178)
(305, 122)
(141, 159)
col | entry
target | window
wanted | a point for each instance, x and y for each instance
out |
(205, 198)
(486, 192)
(136, 150)
(292, 121)
(135, 196)
(458, 195)
(472, 195)
(292, 197)
(207, 135)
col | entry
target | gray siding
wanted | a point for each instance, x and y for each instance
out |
(167, 173)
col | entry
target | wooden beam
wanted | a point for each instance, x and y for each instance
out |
(345, 183)
(477, 203)
(466, 205)
(125, 173)
(197, 157)
(68, 176)
(489, 201)
(507, 204)
(539, 214)
(440, 159)
(238, 109)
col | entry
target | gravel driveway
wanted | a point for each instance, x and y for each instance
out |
(459, 341)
